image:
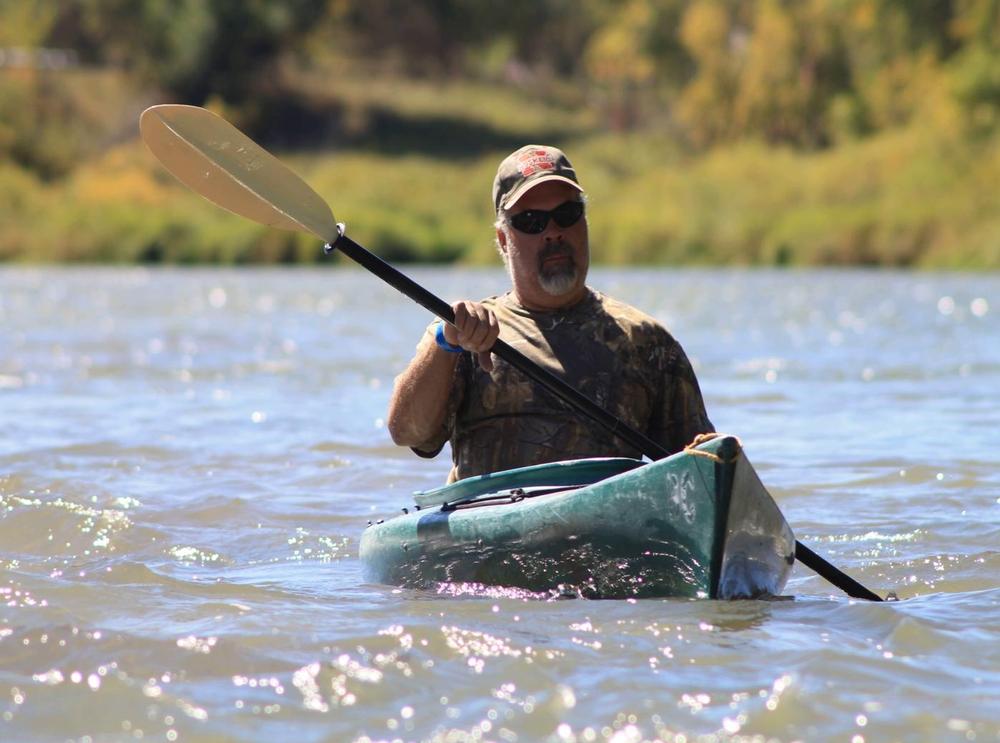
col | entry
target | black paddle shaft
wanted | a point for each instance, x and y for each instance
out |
(558, 387)
(837, 577)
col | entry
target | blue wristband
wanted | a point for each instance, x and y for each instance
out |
(443, 342)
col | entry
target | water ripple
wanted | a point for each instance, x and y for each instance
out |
(190, 457)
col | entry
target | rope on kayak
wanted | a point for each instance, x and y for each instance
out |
(701, 438)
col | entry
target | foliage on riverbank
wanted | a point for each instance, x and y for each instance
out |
(906, 198)
(754, 132)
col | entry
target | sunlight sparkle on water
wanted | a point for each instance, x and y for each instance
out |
(217, 297)
(159, 584)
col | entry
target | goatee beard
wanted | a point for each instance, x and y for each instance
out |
(560, 277)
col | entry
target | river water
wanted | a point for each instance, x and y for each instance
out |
(188, 459)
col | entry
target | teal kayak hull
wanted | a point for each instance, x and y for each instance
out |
(698, 524)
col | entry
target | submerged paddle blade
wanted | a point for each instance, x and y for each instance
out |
(215, 159)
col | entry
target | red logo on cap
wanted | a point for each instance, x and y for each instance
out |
(531, 162)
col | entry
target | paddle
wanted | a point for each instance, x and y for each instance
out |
(213, 158)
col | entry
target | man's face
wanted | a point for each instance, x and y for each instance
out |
(548, 270)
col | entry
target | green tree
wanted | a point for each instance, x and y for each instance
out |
(25, 23)
(439, 37)
(193, 49)
(705, 106)
(794, 68)
(976, 73)
(618, 59)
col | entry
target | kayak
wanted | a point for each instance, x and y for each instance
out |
(698, 524)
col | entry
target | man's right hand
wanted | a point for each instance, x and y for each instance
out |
(476, 329)
(421, 392)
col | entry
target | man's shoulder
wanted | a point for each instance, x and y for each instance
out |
(631, 319)
(499, 302)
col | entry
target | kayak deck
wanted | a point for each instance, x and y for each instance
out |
(696, 524)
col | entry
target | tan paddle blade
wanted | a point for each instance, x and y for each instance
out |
(215, 159)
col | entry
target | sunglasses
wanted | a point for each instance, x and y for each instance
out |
(534, 221)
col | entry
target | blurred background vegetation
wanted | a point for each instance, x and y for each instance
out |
(706, 131)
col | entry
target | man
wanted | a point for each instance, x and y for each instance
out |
(494, 416)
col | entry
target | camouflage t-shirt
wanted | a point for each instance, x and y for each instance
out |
(619, 357)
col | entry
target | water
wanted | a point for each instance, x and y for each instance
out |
(189, 457)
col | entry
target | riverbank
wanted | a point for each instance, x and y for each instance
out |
(414, 186)
(904, 199)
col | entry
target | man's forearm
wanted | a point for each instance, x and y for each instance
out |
(420, 395)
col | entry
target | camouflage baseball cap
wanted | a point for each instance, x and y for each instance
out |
(526, 168)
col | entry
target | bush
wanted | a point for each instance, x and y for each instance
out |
(914, 196)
